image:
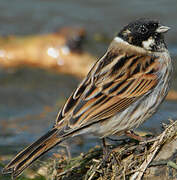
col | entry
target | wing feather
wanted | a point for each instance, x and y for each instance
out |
(113, 84)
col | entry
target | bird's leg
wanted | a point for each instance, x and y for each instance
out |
(132, 135)
(106, 151)
(139, 138)
(105, 148)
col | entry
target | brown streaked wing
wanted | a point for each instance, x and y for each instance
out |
(98, 100)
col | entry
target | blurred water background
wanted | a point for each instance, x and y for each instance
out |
(30, 98)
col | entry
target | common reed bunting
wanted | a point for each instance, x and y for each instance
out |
(122, 90)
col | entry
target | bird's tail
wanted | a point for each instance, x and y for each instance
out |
(23, 159)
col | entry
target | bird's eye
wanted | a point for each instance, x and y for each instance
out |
(143, 30)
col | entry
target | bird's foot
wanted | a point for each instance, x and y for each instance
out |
(135, 136)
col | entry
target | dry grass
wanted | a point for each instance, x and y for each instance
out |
(128, 160)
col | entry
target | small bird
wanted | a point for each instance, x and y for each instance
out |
(122, 90)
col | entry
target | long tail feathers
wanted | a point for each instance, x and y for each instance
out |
(32, 152)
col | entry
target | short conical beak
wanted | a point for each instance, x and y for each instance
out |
(162, 29)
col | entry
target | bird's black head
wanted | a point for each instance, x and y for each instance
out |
(145, 33)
